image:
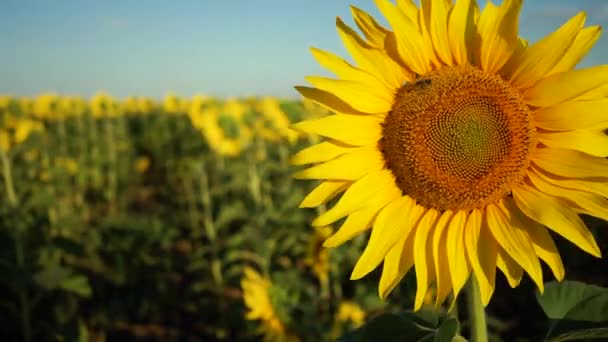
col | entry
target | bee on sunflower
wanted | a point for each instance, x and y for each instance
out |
(459, 145)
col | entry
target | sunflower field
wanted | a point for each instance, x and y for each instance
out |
(179, 220)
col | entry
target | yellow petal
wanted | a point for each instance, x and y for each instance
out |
(570, 163)
(556, 216)
(413, 50)
(566, 86)
(346, 71)
(498, 34)
(460, 268)
(357, 196)
(537, 60)
(423, 255)
(599, 187)
(327, 100)
(545, 248)
(394, 222)
(435, 14)
(361, 220)
(356, 130)
(589, 203)
(440, 256)
(509, 232)
(578, 50)
(324, 192)
(461, 30)
(359, 95)
(511, 269)
(481, 251)
(374, 32)
(573, 115)
(350, 166)
(371, 59)
(408, 7)
(590, 141)
(319, 153)
(398, 261)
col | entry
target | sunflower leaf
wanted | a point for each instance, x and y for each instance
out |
(575, 310)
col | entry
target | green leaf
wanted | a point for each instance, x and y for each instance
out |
(447, 331)
(406, 327)
(78, 284)
(574, 307)
(587, 334)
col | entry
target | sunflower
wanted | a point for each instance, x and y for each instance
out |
(271, 122)
(458, 144)
(223, 126)
(260, 307)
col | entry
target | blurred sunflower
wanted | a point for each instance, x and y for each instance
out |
(459, 144)
(174, 104)
(45, 106)
(104, 106)
(260, 307)
(16, 130)
(223, 127)
(318, 257)
(272, 123)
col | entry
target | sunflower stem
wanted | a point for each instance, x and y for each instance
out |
(477, 314)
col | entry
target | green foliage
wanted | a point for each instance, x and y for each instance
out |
(576, 310)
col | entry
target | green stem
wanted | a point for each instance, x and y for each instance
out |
(8, 178)
(477, 314)
(23, 295)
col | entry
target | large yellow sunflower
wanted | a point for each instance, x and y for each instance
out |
(459, 144)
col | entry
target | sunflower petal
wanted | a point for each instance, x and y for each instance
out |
(361, 220)
(566, 86)
(573, 115)
(357, 196)
(600, 188)
(357, 130)
(374, 32)
(440, 255)
(481, 251)
(327, 100)
(556, 216)
(436, 20)
(370, 59)
(319, 153)
(413, 50)
(498, 28)
(389, 227)
(461, 30)
(460, 268)
(324, 192)
(423, 255)
(344, 70)
(537, 60)
(589, 203)
(578, 50)
(359, 95)
(511, 269)
(398, 261)
(570, 163)
(590, 141)
(350, 166)
(545, 247)
(511, 235)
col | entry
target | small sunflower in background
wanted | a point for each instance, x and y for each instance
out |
(318, 257)
(174, 104)
(223, 127)
(256, 295)
(103, 105)
(15, 130)
(46, 106)
(271, 122)
(458, 144)
(349, 315)
(69, 106)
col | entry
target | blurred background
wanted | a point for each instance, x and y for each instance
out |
(146, 189)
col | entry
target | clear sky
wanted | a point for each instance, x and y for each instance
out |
(216, 47)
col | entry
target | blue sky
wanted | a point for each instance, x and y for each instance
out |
(217, 47)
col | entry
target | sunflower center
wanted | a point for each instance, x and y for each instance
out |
(229, 126)
(458, 139)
